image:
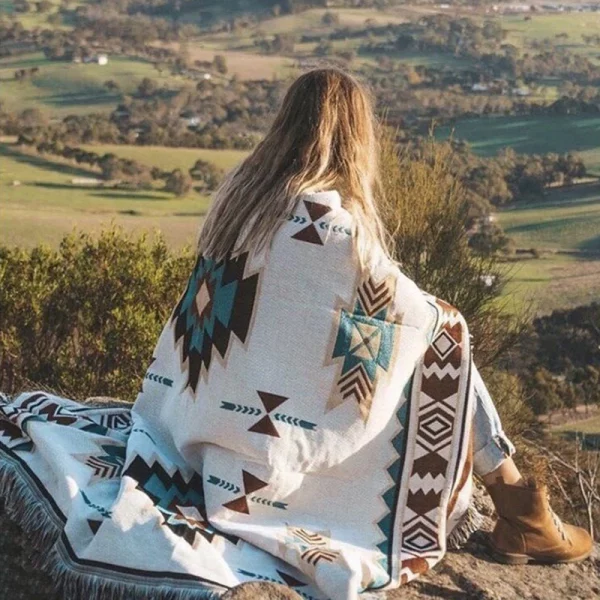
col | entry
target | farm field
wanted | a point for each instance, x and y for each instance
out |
(548, 26)
(552, 282)
(46, 204)
(62, 88)
(591, 425)
(569, 220)
(171, 158)
(531, 135)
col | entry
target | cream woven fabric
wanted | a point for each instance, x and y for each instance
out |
(302, 421)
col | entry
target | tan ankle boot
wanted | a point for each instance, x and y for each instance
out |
(528, 530)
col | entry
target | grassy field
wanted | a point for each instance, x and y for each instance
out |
(32, 18)
(569, 220)
(171, 158)
(552, 282)
(61, 88)
(591, 425)
(531, 135)
(40, 204)
(522, 32)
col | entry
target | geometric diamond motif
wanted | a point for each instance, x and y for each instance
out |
(443, 344)
(364, 343)
(437, 426)
(217, 303)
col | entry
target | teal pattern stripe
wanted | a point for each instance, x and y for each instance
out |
(297, 219)
(107, 514)
(335, 228)
(264, 501)
(223, 484)
(246, 410)
(294, 421)
(158, 379)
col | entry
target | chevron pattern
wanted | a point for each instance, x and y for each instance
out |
(106, 465)
(150, 376)
(356, 384)
(313, 555)
(364, 344)
(309, 547)
(375, 297)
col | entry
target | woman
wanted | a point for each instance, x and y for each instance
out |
(310, 417)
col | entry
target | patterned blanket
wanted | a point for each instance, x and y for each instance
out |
(302, 421)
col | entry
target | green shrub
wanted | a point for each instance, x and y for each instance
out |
(84, 319)
(424, 210)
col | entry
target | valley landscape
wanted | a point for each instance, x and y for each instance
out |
(120, 118)
(128, 113)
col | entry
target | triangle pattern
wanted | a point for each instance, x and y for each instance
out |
(238, 505)
(309, 234)
(265, 426)
(94, 525)
(289, 580)
(271, 401)
(316, 210)
(252, 483)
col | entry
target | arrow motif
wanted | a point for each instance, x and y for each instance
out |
(246, 410)
(158, 379)
(230, 487)
(294, 421)
(335, 228)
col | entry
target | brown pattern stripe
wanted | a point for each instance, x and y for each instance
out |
(439, 416)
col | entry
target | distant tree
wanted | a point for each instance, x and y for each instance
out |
(283, 42)
(220, 64)
(325, 48)
(208, 173)
(178, 183)
(110, 167)
(147, 87)
(111, 85)
(43, 6)
(32, 117)
(330, 19)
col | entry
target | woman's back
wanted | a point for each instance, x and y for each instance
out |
(286, 357)
(290, 378)
(304, 417)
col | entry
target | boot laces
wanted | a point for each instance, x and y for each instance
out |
(557, 522)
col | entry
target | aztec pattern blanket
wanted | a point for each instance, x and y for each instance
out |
(302, 421)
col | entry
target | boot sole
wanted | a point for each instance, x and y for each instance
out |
(523, 559)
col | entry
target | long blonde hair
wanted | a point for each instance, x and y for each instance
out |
(323, 138)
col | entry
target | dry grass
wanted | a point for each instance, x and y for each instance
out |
(245, 65)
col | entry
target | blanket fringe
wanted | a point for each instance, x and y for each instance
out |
(469, 523)
(22, 506)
